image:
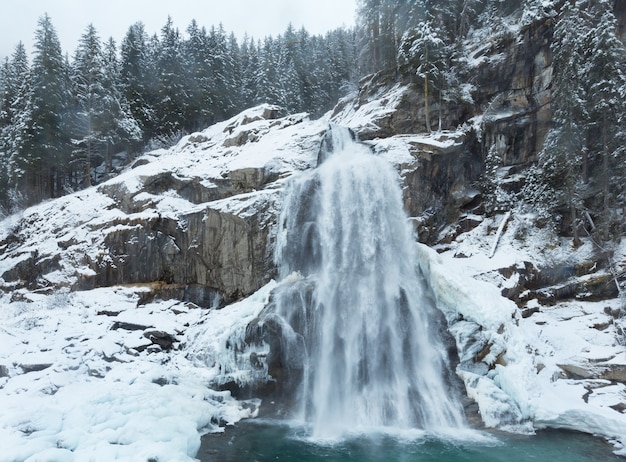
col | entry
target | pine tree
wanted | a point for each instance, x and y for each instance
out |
(15, 112)
(222, 72)
(341, 56)
(14, 84)
(379, 28)
(249, 67)
(604, 71)
(171, 92)
(135, 78)
(91, 99)
(266, 78)
(423, 50)
(236, 74)
(5, 117)
(496, 198)
(563, 165)
(288, 84)
(199, 89)
(121, 130)
(43, 147)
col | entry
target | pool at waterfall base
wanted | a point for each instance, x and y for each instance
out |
(264, 440)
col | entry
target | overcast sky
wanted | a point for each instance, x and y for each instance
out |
(112, 18)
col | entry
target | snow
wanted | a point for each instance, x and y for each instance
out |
(527, 387)
(477, 301)
(75, 227)
(399, 150)
(81, 377)
(97, 397)
(366, 116)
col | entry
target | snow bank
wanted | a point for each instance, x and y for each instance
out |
(366, 116)
(519, 369)
(479, 316)
(79, 388)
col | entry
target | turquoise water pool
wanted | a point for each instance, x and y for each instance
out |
(265, 440)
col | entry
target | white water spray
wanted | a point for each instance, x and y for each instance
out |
(372, 356)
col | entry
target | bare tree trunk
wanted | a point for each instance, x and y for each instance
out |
(577, 241)
(426, 95)
(440, 106)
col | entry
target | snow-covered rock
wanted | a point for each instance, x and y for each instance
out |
(193, 220)
(557, 365)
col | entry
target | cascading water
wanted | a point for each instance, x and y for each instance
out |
(355, 299)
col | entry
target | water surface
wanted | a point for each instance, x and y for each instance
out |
(265, 440)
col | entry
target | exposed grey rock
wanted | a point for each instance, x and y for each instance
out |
(512, 81)
(614, 372)
(162, 339)
(33, 367)
(128, 326)
(439, 185)
(516, 91)
(222, 252)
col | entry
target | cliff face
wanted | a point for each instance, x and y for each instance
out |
(513, 83)
(192, 223)
(507, 107)
(196, 222)
(537, 326)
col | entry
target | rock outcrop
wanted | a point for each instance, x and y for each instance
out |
(193, 223)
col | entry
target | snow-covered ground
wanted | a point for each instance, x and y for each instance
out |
(83, 381)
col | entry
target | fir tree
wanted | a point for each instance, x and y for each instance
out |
(249, 62)
(171, 92)
(562, 160)
(121, 130)
(92, 105)
(43, 147)
(423, 49)
(200, 102)
(135, 78)
(221, 73)
(604, 71)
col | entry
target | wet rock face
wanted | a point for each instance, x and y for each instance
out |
(512, 91)
(514, 84)
(440, 185)
(510, 112)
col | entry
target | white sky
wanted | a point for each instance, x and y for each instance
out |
(112, 18)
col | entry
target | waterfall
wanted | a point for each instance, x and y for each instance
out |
(371, 354)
